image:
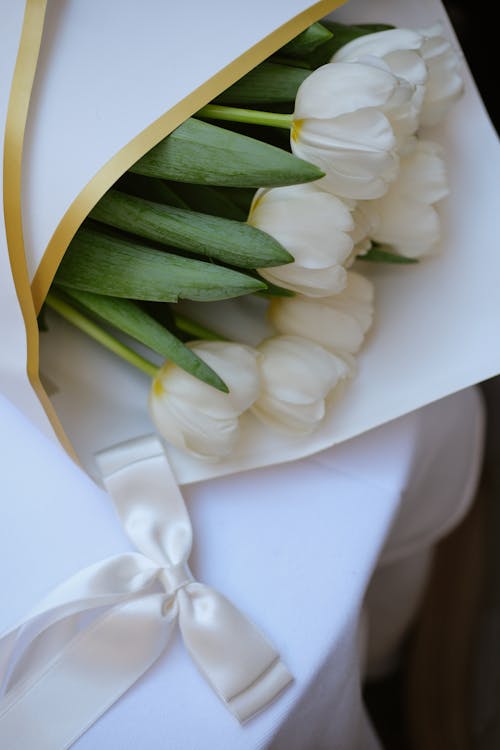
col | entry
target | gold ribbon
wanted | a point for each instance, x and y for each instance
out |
(15, 127)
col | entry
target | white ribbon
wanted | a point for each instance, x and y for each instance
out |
(93, 636)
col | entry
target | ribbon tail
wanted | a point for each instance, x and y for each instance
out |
(55, 621)
(239, 662)
(33, 657)
(51, 708)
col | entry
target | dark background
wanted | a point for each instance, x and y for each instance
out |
(456, 706)
(477, 32)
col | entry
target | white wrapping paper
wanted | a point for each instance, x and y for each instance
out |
(436, 324)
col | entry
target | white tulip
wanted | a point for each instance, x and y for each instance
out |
(297, 377)
(405, 216)
(365, 224)
(337, 323)
(399, 49)
(314, 227)
(341, 123)
(194, 416)
(445, 82)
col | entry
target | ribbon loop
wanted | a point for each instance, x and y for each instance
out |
(57, 654)
(148, 500)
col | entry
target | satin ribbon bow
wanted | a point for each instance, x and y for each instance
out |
(130, 605)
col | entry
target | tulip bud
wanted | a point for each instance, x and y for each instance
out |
(297, 377)
(405, 217)
(445, 82)
(365, 223)
(338, 323)
(341, 124)
(194, 416)
(399, 49)
(314, 227)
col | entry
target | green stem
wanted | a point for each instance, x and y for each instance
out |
(250, 116)
(186, 325)
(73, 316)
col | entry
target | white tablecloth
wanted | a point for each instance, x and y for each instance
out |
(293, 546)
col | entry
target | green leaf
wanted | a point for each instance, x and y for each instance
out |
(276, 291)
(307, 41)
(160, 311)
(132, 320)
(242, 197)
(381, 255)
(206, 154)
(212, 200)
(278, 137)
(373, 28)
(104, 264)
(194, 330)
(342, 34)
(268, 83)
(232, 242)
(150, 188)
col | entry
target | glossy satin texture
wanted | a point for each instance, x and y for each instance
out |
(59, 674)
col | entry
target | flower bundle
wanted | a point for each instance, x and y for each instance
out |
(316, 161)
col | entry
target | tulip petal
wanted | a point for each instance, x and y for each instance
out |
(411, 227)
(356, 152)
(197, 418)
(381, 43)
(315, 227)
(423, 173)
(312, 283)
(338, 323)
(236, 361)
(300, 421)
(445, 81)
(405, 215)
(340, 88)
(297, 377)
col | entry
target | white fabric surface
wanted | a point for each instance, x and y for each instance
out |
(293, 546)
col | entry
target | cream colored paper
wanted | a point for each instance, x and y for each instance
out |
(436, 324)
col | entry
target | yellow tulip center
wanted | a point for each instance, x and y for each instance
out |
(158, 388)
(296, 128)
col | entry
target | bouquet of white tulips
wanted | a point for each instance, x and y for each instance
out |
(310, 163)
